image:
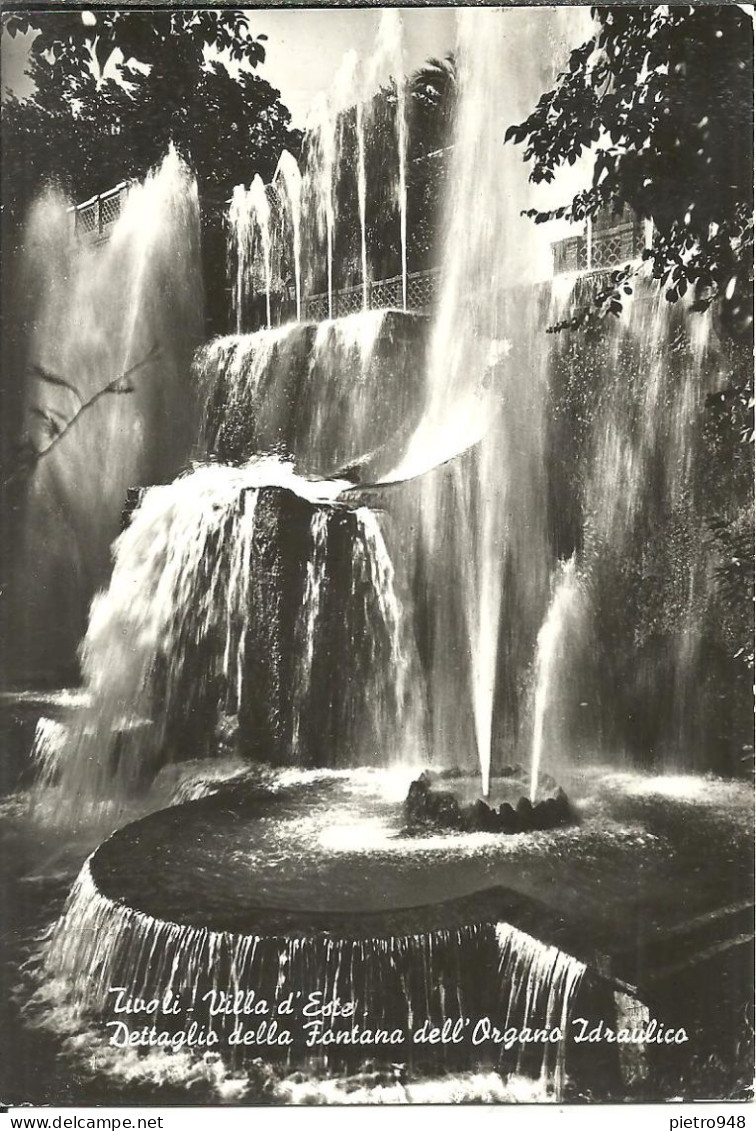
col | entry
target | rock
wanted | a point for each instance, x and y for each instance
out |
(552, 813)
(524, 815)
(563, 807)
(416, 805)
(481, 818)
(507, 818)
(445, 810)
(428, 806)
(542, 818)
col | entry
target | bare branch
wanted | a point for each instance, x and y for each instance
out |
(119, 386)
(54, 379)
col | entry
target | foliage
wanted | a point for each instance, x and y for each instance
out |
(433, 92)
(663, 97)
(71, 40)
(111, 95)
(431, 106)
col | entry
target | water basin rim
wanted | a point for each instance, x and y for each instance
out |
(483, 907)
(472, 924)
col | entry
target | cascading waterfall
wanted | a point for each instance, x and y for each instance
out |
(158, 561)
(244, 360)
(399, 983)
(49, 740)
(311, 603)
(289, 176)
(540, 981)
(249, 593)
(329, 395)
(660, 365)
(200, 621)
(373, 560)
(241, 536)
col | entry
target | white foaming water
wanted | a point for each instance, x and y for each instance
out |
(451, 1088)
(358, 333)
(241, 536)
(342, 373)
(244, 360)
(288, 176)
(563, 609)
(399, 982)
(137, 628)
(99, 942)
(315, 392)
(186, 624)
(95, 310)
(654, 417)
(49, 740)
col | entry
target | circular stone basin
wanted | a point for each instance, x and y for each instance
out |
(329, 850)
(308, 883)
(314, 852)
(306, 889)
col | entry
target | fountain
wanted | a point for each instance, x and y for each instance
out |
(249, 219)
(319, 174)
(95, 310)
(389, 57)
(549, 655)
(341, 654)
(288, 174)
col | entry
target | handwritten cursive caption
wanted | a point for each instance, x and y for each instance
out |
(244, 1018)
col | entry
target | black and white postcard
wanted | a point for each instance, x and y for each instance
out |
(377, 579)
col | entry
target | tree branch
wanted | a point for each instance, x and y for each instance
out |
(120, 385)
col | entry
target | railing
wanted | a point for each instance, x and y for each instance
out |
(619, 244)
(570, 254)
(94, 219)
(422, 291)
(601, 248)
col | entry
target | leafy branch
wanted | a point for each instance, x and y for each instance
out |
(661, 99)
(57, 424)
